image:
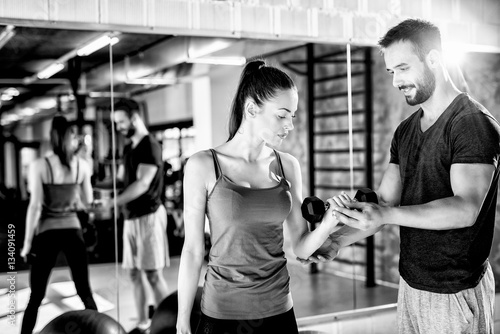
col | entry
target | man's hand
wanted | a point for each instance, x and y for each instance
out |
(360, 215)
(327, 252)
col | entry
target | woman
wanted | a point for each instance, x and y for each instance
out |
(247, 190)
(59, 185)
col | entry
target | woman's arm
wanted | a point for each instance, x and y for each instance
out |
(35, 205)
(195, 196)
(389, 195)
(86, 187)
(304, 242)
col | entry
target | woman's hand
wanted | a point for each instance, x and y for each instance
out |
(183, 327)
(343, 200)
(330, 216)
(25, 251)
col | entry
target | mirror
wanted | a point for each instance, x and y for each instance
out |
(28, 105)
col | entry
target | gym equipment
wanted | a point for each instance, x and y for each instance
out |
(314, 208)
(366, 195)
(165, 316)
(83, 322)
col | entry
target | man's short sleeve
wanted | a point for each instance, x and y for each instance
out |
(394, 148)
(150, 153)
(475, 139)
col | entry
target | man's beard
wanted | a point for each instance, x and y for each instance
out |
(130, 132)
(425, 90)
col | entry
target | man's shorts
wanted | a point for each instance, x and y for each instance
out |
(145, 243)
(467, 311)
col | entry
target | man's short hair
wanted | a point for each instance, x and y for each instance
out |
(424, 36)
(130, 107)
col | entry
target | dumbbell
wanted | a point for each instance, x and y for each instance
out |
(314, 208)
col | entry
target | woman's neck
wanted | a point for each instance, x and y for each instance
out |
(249, 148)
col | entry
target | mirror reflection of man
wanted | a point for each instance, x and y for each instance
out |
(145, 244)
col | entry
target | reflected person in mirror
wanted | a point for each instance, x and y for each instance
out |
(441, 189)
(59, 185)
(248, 190)
(145, 244)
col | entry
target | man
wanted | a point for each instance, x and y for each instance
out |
(440, 187)
(145, 247)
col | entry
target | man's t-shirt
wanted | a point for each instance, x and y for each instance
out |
(147, 151)
(445, 261)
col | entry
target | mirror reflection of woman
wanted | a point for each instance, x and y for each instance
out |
(248, 191)
(59, 186)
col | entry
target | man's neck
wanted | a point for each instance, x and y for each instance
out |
(137, 137)
(438, 102)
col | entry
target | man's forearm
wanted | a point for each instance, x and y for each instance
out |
(132, 192)
(442, 214)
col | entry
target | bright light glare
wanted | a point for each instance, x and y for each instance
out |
(453, 54)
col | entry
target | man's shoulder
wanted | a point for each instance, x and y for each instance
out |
(151, 141)
(470, 107)
(466, 105)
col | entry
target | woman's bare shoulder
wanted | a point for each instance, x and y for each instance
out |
(38, 163)
(200, 159)
(287, 159)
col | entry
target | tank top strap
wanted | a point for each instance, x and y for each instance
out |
(50, 171)
(218, 170)
(280, 164)
(77, 169)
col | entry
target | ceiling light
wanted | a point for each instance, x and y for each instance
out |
(47, 103)
(97, 44)
(9, 118)
(234, 61)
(200, 47)
(50, 70)
(26, 112)
(6, 35)
(11, 91)
(108, 38)
(151, 81)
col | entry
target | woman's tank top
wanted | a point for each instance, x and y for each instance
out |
(246, 277)
(60, 202)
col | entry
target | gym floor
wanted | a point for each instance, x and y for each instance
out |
(313, 294)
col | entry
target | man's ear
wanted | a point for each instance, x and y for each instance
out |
(134, 117)
(433, 58)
